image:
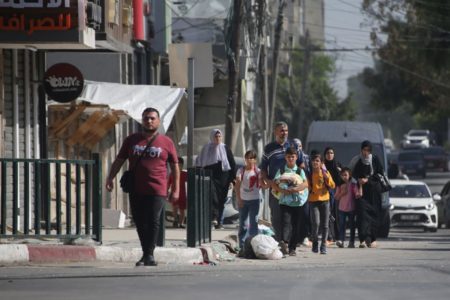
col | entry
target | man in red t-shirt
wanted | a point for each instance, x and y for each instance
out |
(150, 168)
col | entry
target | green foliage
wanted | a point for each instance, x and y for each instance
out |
(413, 41)
(321, 100)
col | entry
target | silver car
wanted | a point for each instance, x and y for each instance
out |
(416, 138)
(412, 205)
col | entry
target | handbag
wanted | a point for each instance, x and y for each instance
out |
(127, 179)
(384, 184)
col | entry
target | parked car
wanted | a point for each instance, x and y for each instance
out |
(436, 158)
(412, 162)
(443, 206)
(389, 145)
(417, 138)
(412, 205)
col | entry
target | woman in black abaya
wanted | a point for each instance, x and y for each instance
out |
(217, 157)
(369, 206)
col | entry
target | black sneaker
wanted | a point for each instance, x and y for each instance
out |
(150, 261)
(241, 253)
(315, 247)
(323, 249)
(340, 244)
(140, 262)
(292, 252)
(283, 248)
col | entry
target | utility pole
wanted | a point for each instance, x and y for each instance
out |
(233, 74)
(276, 50)
(305, 74)
(263, 83)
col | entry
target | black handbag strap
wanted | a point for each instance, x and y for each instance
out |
(145, 149)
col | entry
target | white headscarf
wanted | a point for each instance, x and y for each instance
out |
(367, 161)
(212, 153)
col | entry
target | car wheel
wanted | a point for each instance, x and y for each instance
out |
(433, 229)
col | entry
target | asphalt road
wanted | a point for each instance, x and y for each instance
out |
(434, 179)
(409, 265)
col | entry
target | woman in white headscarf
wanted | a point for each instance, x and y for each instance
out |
(217, 157)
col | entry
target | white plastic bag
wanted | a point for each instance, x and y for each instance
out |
(276, 254)
(264, 247)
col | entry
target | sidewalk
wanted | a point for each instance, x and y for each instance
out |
(119, 245)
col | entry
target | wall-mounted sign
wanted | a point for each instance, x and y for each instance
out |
(63, 82)
(30, 21)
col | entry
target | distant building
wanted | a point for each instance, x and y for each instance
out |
(314, 20)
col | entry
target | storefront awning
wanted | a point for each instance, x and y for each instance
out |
(133, 99)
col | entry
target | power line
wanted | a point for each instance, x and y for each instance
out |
(412, 73)
(329, 50)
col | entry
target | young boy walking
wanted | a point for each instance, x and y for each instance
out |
(291, 189)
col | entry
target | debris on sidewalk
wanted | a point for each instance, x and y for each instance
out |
(221, 252)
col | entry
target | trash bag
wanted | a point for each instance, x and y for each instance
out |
(264, 247)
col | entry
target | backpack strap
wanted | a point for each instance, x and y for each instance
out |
(254, 170)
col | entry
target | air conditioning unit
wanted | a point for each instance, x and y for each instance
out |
(94, 14)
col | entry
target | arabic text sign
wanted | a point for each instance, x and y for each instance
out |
(31, 21)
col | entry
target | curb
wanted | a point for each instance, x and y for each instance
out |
(10, 254)
(21, 254)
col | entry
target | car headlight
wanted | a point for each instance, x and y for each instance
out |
(391, 207)
(429, 206)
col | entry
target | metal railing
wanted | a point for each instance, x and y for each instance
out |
(198, 207)
(51, 198)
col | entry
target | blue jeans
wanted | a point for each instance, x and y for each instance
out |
(343, 215)
(249, 210)
(320, 214)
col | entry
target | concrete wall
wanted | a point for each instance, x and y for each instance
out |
(315, 20)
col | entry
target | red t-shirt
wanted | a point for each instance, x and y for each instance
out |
(151, 171)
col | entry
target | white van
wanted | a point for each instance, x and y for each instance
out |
(345, 137)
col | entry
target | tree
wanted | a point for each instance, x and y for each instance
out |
(321, 100)
(412, 38)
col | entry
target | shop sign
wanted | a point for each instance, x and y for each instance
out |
(37, 21)
(63, 82)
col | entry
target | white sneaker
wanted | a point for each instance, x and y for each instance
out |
(306, 242)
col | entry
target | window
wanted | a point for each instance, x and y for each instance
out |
(409, 191)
